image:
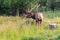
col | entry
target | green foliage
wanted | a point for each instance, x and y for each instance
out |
(16, 28)
(10, 7)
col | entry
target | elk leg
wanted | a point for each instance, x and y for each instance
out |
(38, 24)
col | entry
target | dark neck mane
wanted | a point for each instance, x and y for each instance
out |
(33, 16)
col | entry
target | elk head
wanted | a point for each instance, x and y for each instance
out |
(29, 12)
(31, 15)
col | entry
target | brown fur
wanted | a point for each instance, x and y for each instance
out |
(38, 20)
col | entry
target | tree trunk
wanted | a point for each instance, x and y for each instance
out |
(14, 11)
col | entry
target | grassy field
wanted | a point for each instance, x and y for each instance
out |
(18, 28)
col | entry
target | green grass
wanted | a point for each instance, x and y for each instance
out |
(18, 28)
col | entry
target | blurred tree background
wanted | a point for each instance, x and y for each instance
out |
(16, 7)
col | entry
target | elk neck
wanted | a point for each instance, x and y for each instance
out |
(33, 16)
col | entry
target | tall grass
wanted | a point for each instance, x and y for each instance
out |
(16, 28)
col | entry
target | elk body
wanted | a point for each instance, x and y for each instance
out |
(37, 16)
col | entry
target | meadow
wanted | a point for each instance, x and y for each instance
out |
(22, 28)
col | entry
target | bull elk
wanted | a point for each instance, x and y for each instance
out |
(37, 16)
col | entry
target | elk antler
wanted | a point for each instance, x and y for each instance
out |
(35, 7)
